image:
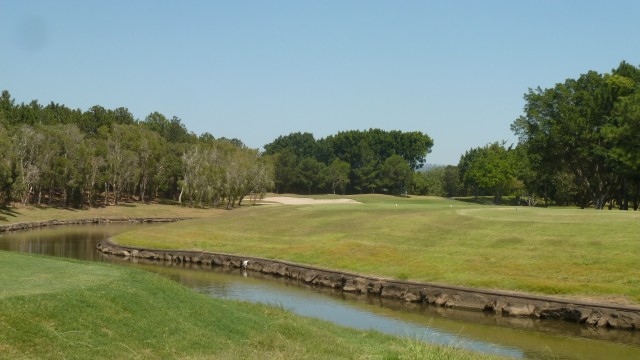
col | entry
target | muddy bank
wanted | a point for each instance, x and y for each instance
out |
(46, 223)
(502, 304)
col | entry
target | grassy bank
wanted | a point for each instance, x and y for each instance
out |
(57, 308)
(20, 213)
(556, 251)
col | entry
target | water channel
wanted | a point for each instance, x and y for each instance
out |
(519, 338)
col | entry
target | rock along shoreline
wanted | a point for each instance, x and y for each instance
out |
(500, 303)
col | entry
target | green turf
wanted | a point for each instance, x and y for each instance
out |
(556, 251)
(20, 213)
(65, 309)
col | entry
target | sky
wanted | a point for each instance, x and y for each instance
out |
(256, 70)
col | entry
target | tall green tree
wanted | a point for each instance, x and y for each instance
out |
(6, 155)
(337, 175)
(396, 174)
(491, 168)
(562, 129)
(310, 174)
(451, 181)
(429, 182)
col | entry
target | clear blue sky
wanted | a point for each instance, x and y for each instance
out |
(255, 70)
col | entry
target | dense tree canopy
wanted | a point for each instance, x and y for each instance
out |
(298, 156)
(579, 138)
(490, 169)
(58, 156)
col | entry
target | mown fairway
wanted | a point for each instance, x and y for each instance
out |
(52, 308)
(558, 251)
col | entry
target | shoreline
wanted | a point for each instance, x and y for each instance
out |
(498, 303)
(47, 223)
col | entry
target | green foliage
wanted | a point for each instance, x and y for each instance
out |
(311, 173)
(172, 130)
(66, 157)
(364, 151)
(337, 174)
(6, 176)
(429, 182)
(582, 128)
(303, 145)
(451, 181)
(396, 174)
(491, 169)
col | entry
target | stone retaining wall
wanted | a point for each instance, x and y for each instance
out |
(46, 223)
(497, 302)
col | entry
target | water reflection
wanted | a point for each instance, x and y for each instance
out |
(508, 336)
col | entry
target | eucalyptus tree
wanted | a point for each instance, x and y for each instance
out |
(148, 148)
(220, 171)
(28, 146)
(121, 161)
(6, 176)
(65, 162)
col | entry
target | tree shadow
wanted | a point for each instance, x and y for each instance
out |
(488, 200)
(45, 207)
(5, 211)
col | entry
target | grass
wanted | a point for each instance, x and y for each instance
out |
(554, 251)
(132, 210)
(107, 312)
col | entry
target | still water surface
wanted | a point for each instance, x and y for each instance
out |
(520, 338)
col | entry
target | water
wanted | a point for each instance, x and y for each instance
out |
(520, 338)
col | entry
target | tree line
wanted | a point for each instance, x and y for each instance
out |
(352, 161)
(578, 145)
(59, 156)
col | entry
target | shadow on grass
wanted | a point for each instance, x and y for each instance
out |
(488, 200)
(126, 205)
(5, 211)
(46, 207)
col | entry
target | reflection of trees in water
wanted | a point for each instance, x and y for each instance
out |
(72, 241)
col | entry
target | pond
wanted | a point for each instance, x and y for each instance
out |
(520, 338)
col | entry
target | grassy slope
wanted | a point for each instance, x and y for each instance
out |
(110, 312)
(559, 251)
(133, 210)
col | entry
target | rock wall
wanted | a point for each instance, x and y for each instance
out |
(38, 224)
(489, 301)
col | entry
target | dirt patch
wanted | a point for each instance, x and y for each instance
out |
(307, 201)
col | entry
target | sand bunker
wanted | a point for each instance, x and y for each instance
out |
(306, 201)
